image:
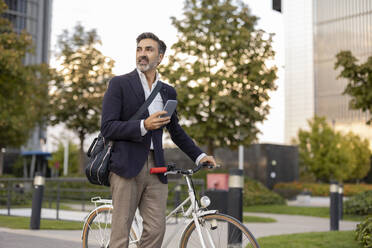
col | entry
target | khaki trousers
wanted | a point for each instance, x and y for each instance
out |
(146, 192)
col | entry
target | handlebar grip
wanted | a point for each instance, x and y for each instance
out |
(157, 170)
(207, 164)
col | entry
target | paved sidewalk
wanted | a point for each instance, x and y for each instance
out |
(48, 213)
(288, 224)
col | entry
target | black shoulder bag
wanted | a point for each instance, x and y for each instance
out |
(99, 152)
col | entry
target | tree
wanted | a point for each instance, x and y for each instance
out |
(330, 155)
(23, 89)
(218, 67)
(73, 158)
(360, 156)
(359, 77)
(80, 83)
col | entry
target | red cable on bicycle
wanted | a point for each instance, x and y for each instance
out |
(158, 170)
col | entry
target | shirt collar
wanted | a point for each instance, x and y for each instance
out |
(143, 78)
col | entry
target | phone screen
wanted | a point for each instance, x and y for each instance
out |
(170, 107)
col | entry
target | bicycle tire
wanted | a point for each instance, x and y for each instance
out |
(217, 225)
(105, 235)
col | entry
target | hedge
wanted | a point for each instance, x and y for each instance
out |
(289, 190)
(360, 204)
(255, 193)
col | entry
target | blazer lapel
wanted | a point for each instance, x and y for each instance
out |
(137, 86)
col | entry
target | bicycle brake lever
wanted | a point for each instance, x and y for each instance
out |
(170, 172)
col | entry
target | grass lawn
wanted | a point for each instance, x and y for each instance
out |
(295, 210)
(311, 240)
(16, 222)
(248, 218)
(62, 206)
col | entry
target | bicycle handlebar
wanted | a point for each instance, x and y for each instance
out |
(171, 169)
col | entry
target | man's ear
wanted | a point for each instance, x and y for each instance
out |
(161, 56)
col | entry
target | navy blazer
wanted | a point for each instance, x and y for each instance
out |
(123, 98)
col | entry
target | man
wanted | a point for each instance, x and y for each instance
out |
(138, 146)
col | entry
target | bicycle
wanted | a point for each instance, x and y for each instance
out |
(203, 228)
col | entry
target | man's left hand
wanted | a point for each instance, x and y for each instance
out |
(208, 159)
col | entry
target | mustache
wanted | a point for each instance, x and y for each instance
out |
(143, 58)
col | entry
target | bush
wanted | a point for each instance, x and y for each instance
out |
(289, 190)
(364, 232)
(255, 193)
(360, 204)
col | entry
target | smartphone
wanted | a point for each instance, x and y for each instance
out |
(170, 107)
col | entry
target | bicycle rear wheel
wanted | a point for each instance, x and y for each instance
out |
(218, 230)
(97, 230)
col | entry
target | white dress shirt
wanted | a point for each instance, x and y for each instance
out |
(155, 106)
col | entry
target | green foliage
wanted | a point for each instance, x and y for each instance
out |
(255, 193)
(73, 159)
(360, 204)
(80, 83)
(289, 190)
(363, 233)
(257, 219)
(328, 154)
(297, 210)
(19, 195)
(359, 78)
(23, 89)
(218, 67)
(360, 157)
(14, 222)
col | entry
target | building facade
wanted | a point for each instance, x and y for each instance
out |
(35, 17)
(315, 31)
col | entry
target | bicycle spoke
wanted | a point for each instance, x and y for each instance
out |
(219, 231)
(99, 229)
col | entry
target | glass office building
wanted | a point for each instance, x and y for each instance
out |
(34, 16)
(331, 26)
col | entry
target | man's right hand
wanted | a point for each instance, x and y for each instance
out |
(154, 121)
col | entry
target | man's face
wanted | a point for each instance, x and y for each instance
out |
(147, 55)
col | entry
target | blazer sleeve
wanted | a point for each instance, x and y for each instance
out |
(180, 138)
(112, 127)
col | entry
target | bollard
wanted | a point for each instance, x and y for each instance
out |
(37, 199)
(235, 206)
(340, 201)
(334, 209)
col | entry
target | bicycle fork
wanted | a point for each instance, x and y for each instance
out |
(198, 229)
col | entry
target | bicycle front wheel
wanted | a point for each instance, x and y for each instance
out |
(218, 230)
(97, 230)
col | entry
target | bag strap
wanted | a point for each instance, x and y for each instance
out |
(139, 112)
(147, 103)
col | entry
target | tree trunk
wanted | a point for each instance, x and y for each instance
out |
(82, 154)
(210, 148)
(1, 161)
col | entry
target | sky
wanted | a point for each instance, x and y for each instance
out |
(119, 22)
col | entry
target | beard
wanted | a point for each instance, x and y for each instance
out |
(149, 66)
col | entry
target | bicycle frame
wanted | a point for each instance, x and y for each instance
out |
(192, 214)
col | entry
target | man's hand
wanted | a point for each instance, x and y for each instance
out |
(154, 121)
(208, 159)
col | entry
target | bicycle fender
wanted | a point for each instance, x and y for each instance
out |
(207, 212)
